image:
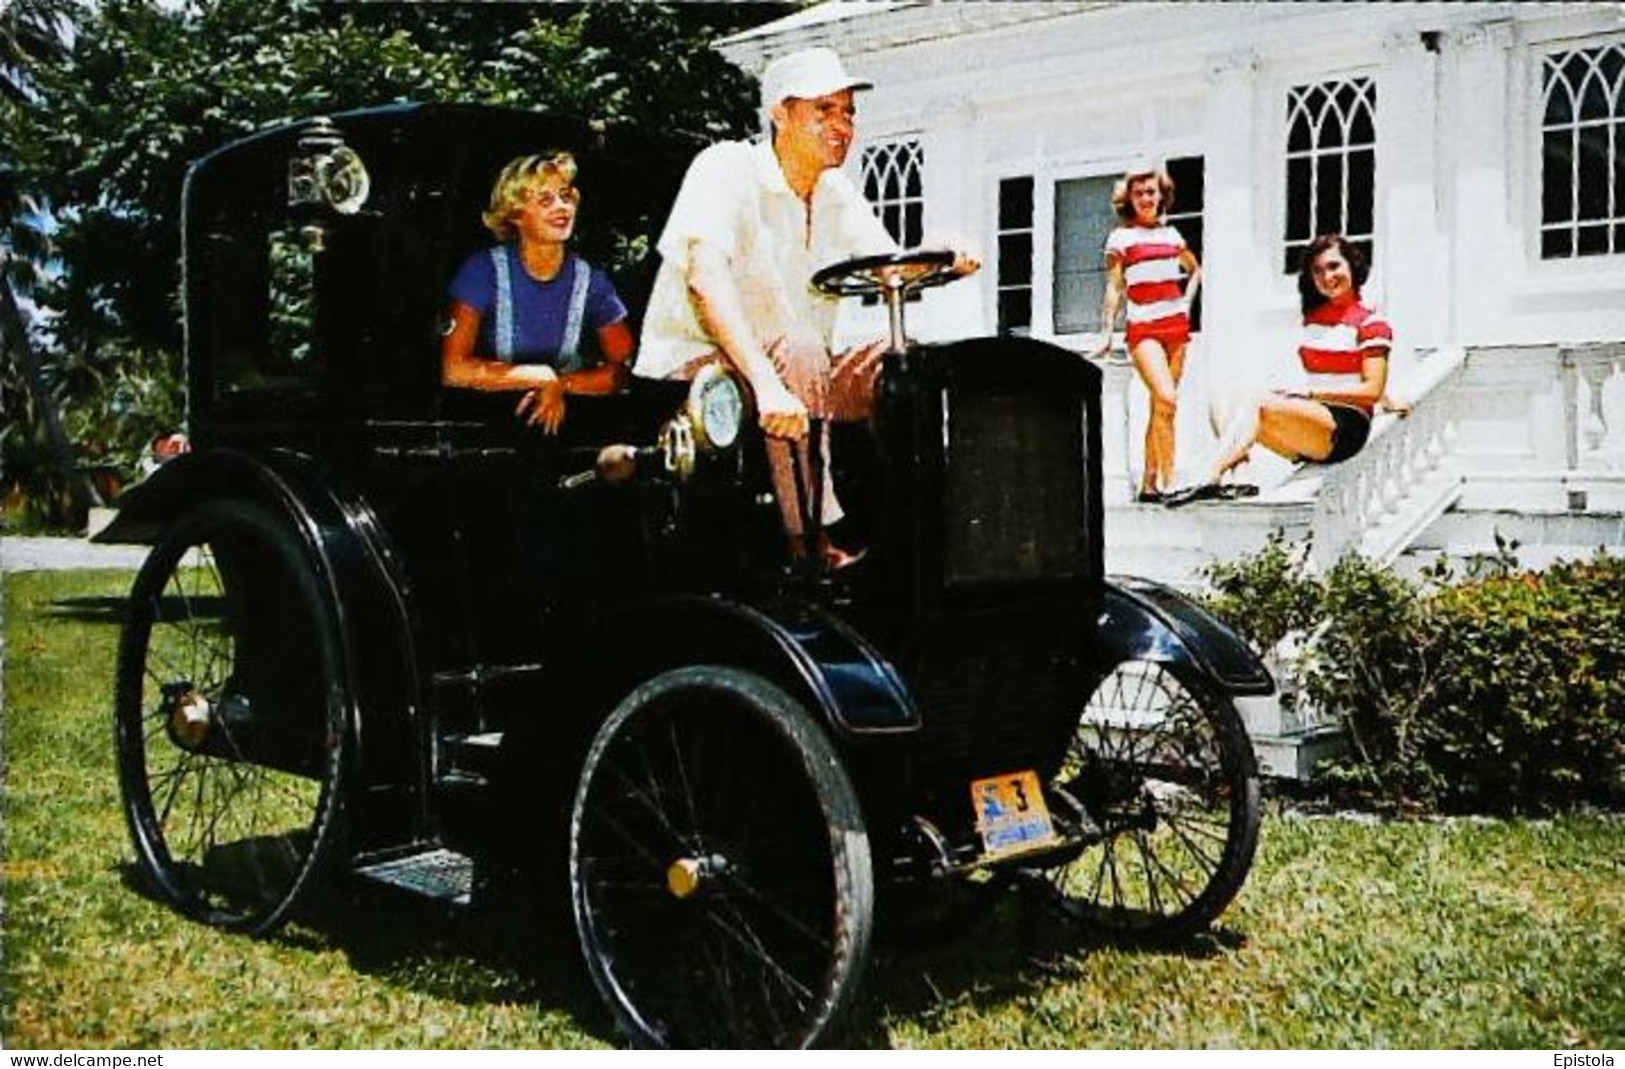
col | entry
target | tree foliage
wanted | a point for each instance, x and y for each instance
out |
(145, 89)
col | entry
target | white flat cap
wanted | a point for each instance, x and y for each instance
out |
(809, 73)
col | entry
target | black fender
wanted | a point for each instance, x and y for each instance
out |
(365, 591)
(1146, 621)
(844, 680)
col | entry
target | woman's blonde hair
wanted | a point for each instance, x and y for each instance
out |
(1120, 191)
(520, 179)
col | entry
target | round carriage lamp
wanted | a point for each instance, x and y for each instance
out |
(324, 172)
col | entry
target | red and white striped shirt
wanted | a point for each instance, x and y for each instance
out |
(1152, 279)
(1337, 338)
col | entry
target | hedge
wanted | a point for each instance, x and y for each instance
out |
(1496, 690)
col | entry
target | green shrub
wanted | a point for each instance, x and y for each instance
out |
(1370, 667)
(1502, 692)
(1267, 596)
(1528, 708)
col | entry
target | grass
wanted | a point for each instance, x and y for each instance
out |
(1349, 933)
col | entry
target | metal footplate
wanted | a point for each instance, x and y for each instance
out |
(440, 874)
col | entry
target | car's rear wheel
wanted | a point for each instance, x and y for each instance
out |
(229, 718)
(1161, 764)
(721, 877)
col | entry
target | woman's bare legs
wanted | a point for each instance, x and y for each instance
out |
(1294, 427)
(1160, 369)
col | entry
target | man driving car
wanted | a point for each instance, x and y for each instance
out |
(751, 224)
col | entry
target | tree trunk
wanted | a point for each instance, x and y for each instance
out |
(14, 331)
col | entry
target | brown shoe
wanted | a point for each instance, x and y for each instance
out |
(834, 557)
(838, 559)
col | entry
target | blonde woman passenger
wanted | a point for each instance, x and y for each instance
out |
(1153, 277)
(527, 315)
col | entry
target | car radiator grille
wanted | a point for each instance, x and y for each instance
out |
(1016, 495)
(993, 711)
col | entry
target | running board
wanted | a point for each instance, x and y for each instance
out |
(441, 874)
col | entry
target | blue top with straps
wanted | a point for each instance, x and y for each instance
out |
(525, 320)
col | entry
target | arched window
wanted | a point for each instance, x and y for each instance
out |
(1582, 177)
(1331, 164)
(892, 181)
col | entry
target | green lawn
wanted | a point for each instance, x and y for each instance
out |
(1348, 934)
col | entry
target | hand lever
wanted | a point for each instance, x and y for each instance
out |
(614, 464)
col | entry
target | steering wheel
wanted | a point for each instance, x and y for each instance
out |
(892, 276)
(866, 276)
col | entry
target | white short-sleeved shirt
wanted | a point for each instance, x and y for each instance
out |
(735, 195)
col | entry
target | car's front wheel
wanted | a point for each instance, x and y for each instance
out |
(720, 867)
(1161, 764)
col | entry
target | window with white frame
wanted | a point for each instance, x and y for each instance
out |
(1189, 174)
(1331, 164)
(892, 181)
(1582, 151)
(1015, 267)
(1084, 218)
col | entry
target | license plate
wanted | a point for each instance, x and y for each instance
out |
(1010, 813)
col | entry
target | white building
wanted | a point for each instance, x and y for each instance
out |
(1478, 149)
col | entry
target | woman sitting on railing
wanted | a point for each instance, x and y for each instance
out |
(1345, 354)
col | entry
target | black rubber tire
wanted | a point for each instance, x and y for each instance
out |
(717, 768)
(1162, 764)
(232, 829)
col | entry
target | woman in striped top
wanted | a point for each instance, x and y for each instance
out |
(1344, 353)
(1149, 265)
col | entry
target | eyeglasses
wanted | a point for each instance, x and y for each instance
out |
(548, 198)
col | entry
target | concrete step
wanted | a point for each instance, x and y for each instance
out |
(1543, 537)
(1486, 488)
(1172, 545)
(1296, 756)
(1288, 745)
(1424, 502)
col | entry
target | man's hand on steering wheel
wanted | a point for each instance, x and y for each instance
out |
(779, 412)
(967, 260)
(915, 269)
(964, 263)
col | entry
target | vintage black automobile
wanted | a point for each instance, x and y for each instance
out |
(387, 632)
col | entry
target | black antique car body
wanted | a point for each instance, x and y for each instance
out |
(387, 630)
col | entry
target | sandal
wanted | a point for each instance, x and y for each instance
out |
(1201, 492)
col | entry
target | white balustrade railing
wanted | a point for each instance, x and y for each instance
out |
(1593, 399)
(1527, 426)
(1400, 474)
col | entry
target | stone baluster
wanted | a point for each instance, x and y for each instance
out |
(1611, 411)
(1589, 372)
(1391, 481)
(1375, 486)
(1594, 374)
